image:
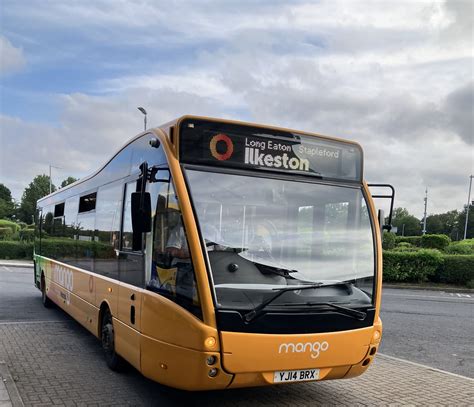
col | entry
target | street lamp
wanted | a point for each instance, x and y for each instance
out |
(144, 113)
(468, 205)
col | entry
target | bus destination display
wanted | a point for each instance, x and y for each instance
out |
(222, 144)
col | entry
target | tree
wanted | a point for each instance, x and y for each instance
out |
(37, 189)
(470, 222)
(67, 181)
(7, 206)
(405, 223)
(444, 223)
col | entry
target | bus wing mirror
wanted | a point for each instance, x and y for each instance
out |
(385, 226)
(381, 217)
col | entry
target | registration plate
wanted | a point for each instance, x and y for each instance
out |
(295, 375)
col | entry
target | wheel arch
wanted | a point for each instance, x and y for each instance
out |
(104, 306)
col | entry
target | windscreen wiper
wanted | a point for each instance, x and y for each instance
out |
(251, 315)
(360, 315)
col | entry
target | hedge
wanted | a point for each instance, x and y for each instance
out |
(405, 266)
(9, 224)
(462, 247)
(440, 242)
(16, 250)
(5, 233)
(414, 240)
(388, 240)
(456, 269)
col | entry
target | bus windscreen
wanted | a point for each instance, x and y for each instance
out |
(246, 147)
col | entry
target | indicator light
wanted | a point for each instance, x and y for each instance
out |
(210, 342)
(376, 336)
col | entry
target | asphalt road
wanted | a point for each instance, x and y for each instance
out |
(428, 327)
(433, 328)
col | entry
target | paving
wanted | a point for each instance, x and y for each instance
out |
(49, 359)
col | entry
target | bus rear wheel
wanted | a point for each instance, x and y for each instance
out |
(47, 303)
(113, 360)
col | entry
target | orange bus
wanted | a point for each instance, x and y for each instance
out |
(214, 254)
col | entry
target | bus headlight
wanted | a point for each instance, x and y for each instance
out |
(210, 342)
(213, 372)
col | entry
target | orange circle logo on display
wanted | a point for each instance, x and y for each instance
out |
(228, 143)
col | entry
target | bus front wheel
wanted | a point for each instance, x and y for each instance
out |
(113, 360)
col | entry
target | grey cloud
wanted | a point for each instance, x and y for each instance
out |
(459, 106)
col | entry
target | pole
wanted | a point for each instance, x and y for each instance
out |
(468, 205)
(424, 216)
(145, 123)
(50, 185)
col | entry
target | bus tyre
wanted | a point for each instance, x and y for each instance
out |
(47, 303)
(113, 360)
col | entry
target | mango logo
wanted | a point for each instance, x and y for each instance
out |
(314, 348)
(229, 147)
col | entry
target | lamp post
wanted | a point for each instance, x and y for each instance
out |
(144, 113)
(50, 181)
(468, 205)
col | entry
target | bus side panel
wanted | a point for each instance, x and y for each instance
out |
(127, 343)
(106, 291)
(179, 367)
(127, 324)
(166, 321)
(83, 312)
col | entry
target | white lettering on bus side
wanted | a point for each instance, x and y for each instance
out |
(63, 276)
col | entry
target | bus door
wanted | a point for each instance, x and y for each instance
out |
(131, 276)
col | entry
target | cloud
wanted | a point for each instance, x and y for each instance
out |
(459, 105)
(11, 58)
(398, 81)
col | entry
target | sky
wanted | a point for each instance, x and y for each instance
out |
(395, 76)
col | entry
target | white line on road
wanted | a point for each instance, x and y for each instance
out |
(428, 296)
(425, 366)
(7, 269)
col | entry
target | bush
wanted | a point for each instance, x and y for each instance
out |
(5, 233)
(416, 266)
(462, 247)
(9, 224)
(413, 240)
(440, 242)
(455, 269)
(406, 247)
(26, 235)
(388, 241)
(16, 250)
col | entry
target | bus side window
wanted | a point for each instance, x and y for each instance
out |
(172, 273)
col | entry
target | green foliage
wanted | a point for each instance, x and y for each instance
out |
(405, 247)
(416, 266)
(470, 222)
(388, 241)
(7, 207)
(26, 235)
(406, 223)
(462, 247)
(5, 233)
(37, 189)
(67, 181)
(9, 224)
(440, 242)
(413, 240)
(16, 250)
(456, 269)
